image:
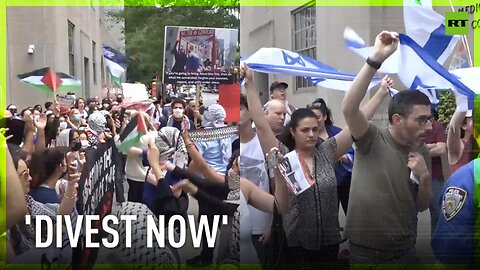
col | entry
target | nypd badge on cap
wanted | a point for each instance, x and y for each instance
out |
(453, 201)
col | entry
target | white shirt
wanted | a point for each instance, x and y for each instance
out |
(252, 167)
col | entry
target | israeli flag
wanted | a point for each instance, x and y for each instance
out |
(469, 77)
(423, 71)
(357, 45)
(284, 62)
(427, 28)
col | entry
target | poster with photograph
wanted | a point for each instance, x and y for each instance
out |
(294, 173)
(194, 55)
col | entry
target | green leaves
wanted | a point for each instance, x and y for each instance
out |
(446, 108)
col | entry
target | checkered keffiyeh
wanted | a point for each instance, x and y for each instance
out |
(171, 145)
(97, 122)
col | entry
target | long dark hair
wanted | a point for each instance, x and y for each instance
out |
(298, 115)
(319, 104)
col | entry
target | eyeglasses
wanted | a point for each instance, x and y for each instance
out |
(423, 119)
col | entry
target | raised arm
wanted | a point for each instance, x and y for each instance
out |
(454, 141)
(15, 203)
(264, 132)
(28, 137)
(40, 124)
(344, 138)
(197, 158)
(357, 121)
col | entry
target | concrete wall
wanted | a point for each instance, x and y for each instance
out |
(47, 29)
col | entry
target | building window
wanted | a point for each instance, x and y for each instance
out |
(71, 48)
(94, 62)
(304, 37)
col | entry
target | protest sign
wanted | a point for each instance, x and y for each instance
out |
(196, 55)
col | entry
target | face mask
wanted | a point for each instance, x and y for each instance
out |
(77, 117)
(13, 111)
(63, 125)
(177, 113)
(84, 144)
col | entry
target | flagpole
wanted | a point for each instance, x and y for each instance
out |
(464, 39)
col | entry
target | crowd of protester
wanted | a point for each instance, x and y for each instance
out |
(382, 176)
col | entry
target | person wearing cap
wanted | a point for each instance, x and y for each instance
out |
(106, 104)
(278, 90)
(12, 109)
(460, 148)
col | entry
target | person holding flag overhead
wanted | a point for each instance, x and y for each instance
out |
(391, 171)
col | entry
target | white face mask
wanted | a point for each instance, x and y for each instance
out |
(84, 144)
(177, 113)
(63, 125)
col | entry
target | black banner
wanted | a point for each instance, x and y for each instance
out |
(101, 178)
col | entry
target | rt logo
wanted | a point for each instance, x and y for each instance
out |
(456, 23)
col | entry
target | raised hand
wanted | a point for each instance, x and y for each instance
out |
(246, 73)
(29, 126)
(153, 154)
(185, 126)
(41, 122)
(386, 83)
(386, 44)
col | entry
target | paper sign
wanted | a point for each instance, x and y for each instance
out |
(294, 174)
(66, 100)
(133, 92)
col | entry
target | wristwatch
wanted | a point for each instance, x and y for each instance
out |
(373, 64)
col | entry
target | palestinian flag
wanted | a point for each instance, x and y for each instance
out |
(46, 79)
(135, 129)
(116, 63)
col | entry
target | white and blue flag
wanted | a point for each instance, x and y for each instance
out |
(423, 71)
(284, 62)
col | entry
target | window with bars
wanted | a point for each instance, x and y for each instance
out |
(71, 48)
(94, 62)
(304, 37)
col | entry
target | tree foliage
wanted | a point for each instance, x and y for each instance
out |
(145, 28)
(446, 107)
